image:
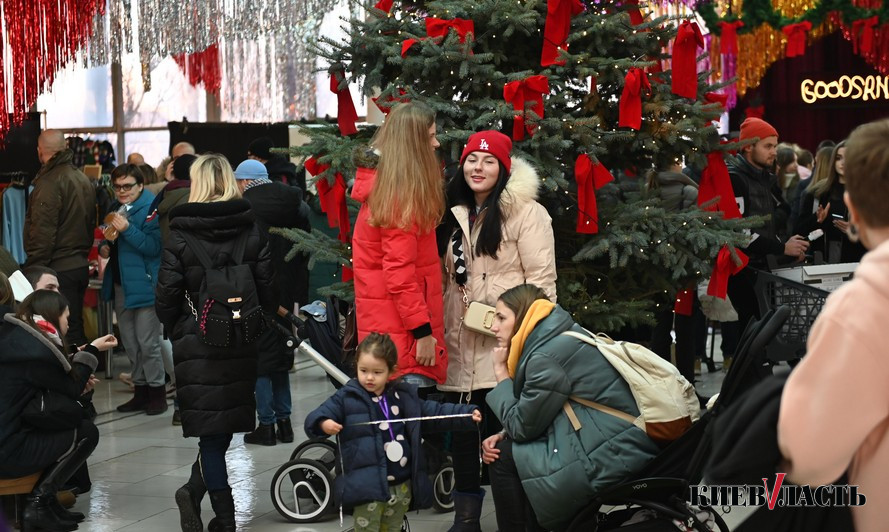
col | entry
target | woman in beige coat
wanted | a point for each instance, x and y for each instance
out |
(503, 238)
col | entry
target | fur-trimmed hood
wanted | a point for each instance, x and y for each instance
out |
(16, 341)
(523, 185)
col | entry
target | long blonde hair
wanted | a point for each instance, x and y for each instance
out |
(212, 179)
(409, 188)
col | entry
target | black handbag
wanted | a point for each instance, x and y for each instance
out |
(51, 410)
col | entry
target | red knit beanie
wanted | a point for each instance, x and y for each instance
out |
(756, 127)
(493, 142)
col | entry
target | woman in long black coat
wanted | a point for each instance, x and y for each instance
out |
(214, 384)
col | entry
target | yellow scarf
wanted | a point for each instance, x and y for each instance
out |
(540, 309)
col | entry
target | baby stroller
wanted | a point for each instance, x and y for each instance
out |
(662, 487)
(302, 489)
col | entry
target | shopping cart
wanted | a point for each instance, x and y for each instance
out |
(805, 304)
(302, 489)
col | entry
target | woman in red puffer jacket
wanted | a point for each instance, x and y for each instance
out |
(398, 286)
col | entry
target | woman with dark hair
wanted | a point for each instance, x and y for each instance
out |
(503, 238)
(543, 470)
(823, 208)
(214, 383)
(33, 363)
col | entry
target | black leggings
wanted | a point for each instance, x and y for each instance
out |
(41, 449)
(514, 511)
(465, 446)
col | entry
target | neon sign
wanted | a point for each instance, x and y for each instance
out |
(851, 87)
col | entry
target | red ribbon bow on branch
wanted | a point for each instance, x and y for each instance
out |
(684, 304)
(345, 108)
(685, 50)
(436, 27)
(796, 38)
(723, 269)
(631, 99)
(636, 17)
(866, 44)
(728, 43)
(333, 202)
(518, 92)
(715, 181)
(385, 105)
(590, 177)
(556, 28)
(716, 97)
(385, 5)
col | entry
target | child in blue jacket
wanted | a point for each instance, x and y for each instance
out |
(384, 468)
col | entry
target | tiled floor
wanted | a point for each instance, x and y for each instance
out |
(142, 460)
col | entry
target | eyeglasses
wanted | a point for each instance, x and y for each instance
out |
(126, 187)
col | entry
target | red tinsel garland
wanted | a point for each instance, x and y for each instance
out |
(202, 68)
(42, 36)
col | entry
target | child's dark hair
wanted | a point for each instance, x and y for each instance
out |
(380, 346)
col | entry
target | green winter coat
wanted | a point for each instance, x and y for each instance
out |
(563, 470)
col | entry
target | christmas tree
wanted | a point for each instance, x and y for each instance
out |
(586, 93)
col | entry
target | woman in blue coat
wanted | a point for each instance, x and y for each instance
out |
(133, 246)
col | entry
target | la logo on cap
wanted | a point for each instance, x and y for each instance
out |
(483, 145)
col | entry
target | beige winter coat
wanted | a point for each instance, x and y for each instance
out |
(526, 255)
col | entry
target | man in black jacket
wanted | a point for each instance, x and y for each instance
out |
(276, 205)
(278, 167)
(757, 194)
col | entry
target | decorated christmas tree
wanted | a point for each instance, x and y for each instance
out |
(590, 97)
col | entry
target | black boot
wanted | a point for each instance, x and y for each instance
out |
(285, 431)
(138, 402)
(224, 508)
(188, 499)
(467, 511)
(65, 515)
(263, 435)
(157, 400)
(40, 513)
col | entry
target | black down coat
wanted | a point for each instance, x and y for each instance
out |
(214, 384)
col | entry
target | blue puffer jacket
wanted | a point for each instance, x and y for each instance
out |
(563, 470)
(138, 255)
(361, 446)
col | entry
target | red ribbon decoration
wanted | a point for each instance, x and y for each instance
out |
(684, 303)
(715, 97)
(385, 5)
(728, 43)
(556, 28)
(758, 111)
(202, 68)
(722, 270)
(715, 181)
(333, 202)
(590, 178)
(796, 38)
(631, 99)
(436, 27)
(685, 50)
(385, 106)
(518, 92)
(346, 116)
(636, 17)
(866, 44)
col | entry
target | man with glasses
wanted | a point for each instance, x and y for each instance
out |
(59, 224)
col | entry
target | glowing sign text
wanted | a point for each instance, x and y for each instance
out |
(852, 87)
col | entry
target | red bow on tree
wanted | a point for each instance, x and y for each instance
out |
(590, 178)
(631, 99)
(636, 17)
(556, 28)
(796, 38)
(723, 269)
(385, 5)
(715, 97)
(685, 50)
(345, 108)
(684, 304)
(729, 37)
(436, 27)
(333, 202)
(389, 101)
(757, 111)
(866, 44)
(715, 181)
(518, 92)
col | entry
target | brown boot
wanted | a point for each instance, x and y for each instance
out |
(138, 402)
(157, 400)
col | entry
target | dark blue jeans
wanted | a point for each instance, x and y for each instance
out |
(212, 457)
(273, 397)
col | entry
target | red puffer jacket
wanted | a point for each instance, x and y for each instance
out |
(398, 285)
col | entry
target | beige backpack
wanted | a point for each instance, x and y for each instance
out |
(666, 400)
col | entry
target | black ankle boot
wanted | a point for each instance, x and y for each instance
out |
(263, 435)
(63, 514)
(40, 515)
(138, 402)
(224, 508)
(467, 511)
(285, 431)
(188, 499)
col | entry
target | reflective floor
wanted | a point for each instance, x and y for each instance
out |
(142, 460)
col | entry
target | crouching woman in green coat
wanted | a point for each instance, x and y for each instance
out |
(539, 457)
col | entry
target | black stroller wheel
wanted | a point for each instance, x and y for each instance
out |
(302, 491)
(318, 449)
(443, 488)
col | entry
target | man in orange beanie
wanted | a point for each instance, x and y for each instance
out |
(757, 193)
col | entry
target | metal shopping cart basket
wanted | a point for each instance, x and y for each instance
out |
(805, 304)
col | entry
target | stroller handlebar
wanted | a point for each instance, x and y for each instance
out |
(304, 347)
